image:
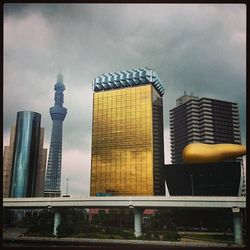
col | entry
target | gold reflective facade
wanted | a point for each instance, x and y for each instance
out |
(122, 141)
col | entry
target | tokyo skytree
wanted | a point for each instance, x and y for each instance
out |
(57, 113)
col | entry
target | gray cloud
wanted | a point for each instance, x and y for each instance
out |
(199, 48)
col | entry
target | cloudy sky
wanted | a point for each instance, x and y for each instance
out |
(198, 48)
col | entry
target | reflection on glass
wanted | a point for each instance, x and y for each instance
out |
(25, 154)
(122, 141)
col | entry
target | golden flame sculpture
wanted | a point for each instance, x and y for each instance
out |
(209, 153)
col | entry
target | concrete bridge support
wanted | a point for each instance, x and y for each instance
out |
(137, 222)
(237, 220)
(57, 221)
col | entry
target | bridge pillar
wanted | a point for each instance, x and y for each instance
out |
(237, 219)
(57, 221)
(137, 222)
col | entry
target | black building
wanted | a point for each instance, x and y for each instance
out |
(210, 179)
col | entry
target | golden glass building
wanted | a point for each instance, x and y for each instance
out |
(127, 135)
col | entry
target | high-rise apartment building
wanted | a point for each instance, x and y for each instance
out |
(25, 158)
(202, 120)
(127, 135)
(57, 113)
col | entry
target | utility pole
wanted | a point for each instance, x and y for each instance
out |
(192, 184)
(67, 186)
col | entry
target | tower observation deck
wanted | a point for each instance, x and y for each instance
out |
(57, 113)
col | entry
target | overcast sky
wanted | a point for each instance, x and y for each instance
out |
(198, 48)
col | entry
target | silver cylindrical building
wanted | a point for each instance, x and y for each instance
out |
(26, 150)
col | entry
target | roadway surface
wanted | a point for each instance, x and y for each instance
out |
(104, 243)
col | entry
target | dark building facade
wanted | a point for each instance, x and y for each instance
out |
(211, 179)
(127, 134)
(57, 113)
(202, 120)
(24, 159)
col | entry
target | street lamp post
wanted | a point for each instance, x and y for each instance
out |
(67, 186)
(192, 184)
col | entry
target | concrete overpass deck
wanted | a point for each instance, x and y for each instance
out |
(127, 201)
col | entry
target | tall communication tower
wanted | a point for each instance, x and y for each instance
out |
(57, 113)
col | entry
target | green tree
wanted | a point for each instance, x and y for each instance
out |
(102, 217)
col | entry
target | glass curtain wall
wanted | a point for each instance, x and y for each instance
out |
(122, 142)
(25, 158)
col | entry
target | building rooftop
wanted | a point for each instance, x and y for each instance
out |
(185, 98)
(127, 78)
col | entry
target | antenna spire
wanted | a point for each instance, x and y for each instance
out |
(60, 78)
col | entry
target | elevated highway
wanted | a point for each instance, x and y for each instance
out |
(128, 201)
(137, 203)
